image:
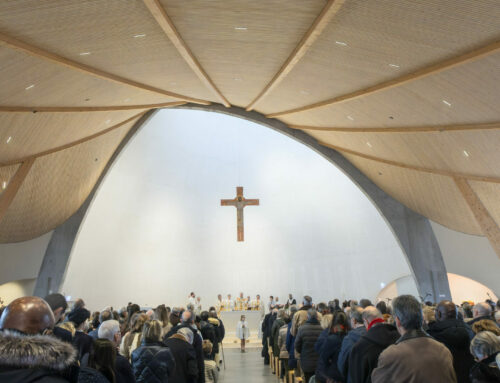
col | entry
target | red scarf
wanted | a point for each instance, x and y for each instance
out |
(375, 321)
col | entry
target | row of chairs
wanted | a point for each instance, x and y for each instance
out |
(276, 364)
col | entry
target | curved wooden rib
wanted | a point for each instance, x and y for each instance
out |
(14, 185)
(412, 76)
(74, 143)
(409, 129)
(168, 27)
(71, 109)
(37, 52)
(483, 218)
(328, 12)
(412, 167)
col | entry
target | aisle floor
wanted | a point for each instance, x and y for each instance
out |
(245, 367)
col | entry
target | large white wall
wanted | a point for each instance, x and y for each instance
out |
(156, 230)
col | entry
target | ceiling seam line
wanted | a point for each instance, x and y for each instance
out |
(412, 167)
(75, 109)
(165, 23)
(398, 81)
(312, 34)
(52, 57)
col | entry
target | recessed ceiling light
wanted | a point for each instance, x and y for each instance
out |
(446, 103)
(341, 43)
(241, 28)
(466, 153)
(368, 144)
(139, 35)
(127, 99)
(9, 139)
(108, 121)
(394, 66)
(173, 83)
(4, 185)
(304, 92)
(350, 118)
(84, 53)
(30, 87)
(237, 79)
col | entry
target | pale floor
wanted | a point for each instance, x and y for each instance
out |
(245, 367)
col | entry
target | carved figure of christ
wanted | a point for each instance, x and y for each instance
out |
(239, 203)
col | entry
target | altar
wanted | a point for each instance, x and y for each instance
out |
(231, 319)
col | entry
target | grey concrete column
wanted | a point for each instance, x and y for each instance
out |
(413, 231)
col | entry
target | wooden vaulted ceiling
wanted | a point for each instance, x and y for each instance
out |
(407, 90)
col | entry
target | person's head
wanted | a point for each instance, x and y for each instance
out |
(187, 334)
(293, 310)
(339, 323)
(105, 315)
(307, 300)
(486, 325)
(102, 358)
(481, 309)
(79, 317)
(446, 310)
(407, 313)
(187, 317)
(192, 295)
(207, 348)
(356, 316)
(161, 314)
(110, 330)
(258, 297)
(287, 318)
(68, 326)
(484, 344)
(243, 318)
(79, 303)
(277, 299)
(151, 331)
(312, 314)
(241, 295)
(370, 313)
(382, 307)
(497, 317)
(175, 316)
(271, 298)
(212, 314)
(365, 303)
(58, 304)
(429, 314)
(229, 296)
(204, 316)
(290, 296)
(322, 308)
(219, 297)
(137, 321)
(198, 299)
(281, 313)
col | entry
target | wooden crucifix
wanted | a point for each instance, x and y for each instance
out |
(239, 203)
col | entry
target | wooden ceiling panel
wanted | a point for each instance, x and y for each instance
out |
(433, 196)
(6, 173)
(468, 152)
(489, 194)
(32, 133)
(30, 81)
(56, 186)
(462, 95)
(242, 61)
(100, 33)
(367, 36)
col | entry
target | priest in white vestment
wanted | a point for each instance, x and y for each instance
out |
(219, 306)
(228, 303)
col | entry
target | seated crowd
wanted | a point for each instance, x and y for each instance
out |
(407, 342)
(42, 340)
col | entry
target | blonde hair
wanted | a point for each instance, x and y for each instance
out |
(69, 326)
(484, 344)
(207, 347)
(429, 314)
(486, 325)
(151, 331)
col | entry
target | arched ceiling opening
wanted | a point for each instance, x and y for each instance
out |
(407, 91)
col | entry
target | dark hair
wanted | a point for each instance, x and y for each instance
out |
(364, 303)
(321, 307)
(131, 310)
(95, 320)
(382, 307)
(204, 316)
(56, 300)
(409, 312)
(102, 358)
(161, 314)
(339, 323)
(287, 318)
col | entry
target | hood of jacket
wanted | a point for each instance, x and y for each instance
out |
(452, 332)
(383, 335)
(20, 351)
(213, 321)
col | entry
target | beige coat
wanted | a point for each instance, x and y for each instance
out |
(299, 318)
(415, 358)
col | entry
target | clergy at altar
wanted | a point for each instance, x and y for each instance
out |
(228, 303)
(241, 303)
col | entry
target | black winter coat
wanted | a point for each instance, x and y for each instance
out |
(89, 375)
(197, 345)
(305, 340)
(208, 332)
(328, 357)
(152, 363)
(454, 334)
(485, 371)
(364, 355)
(186, 369)
(83, 343)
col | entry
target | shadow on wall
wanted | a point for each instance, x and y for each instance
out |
(462, 289)
(16, 289)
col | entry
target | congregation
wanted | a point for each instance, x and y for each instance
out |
(44, 340)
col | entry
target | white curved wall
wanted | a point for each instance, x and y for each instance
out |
(156, 230)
